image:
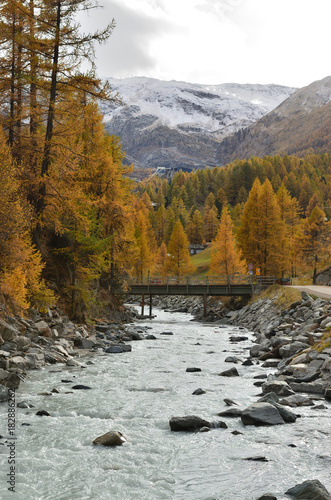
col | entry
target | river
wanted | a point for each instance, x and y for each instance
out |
(137, 393)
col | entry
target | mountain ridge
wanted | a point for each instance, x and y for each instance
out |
(299, 125)
(179, 124)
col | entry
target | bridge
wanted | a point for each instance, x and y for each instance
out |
(187, 285)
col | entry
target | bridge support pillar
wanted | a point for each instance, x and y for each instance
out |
(205, 306)
(150, 305)
(142, 304)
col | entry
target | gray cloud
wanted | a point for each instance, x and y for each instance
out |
(127, 51)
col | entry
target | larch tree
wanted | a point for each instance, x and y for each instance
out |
(194, 228)
(143, 255)
(261, 234)
(160, 224)
(249, 232)
(289, 214)
(314, 241)
(21, 285)
(160, 268)
(210, 222)
(225, 257)
(179, 261)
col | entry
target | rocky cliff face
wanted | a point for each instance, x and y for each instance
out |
(180, 125)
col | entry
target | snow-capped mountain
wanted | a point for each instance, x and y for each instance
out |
(178, 124)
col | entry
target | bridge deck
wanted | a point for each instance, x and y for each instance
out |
(211, 285)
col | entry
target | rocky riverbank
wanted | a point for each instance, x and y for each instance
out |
(40, 339)
(295, 339)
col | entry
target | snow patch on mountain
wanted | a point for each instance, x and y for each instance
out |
(214, 110)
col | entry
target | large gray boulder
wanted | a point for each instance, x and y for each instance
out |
(232, 372)
(279, 387)
(309, 490)
(286, 414)
(7, 332)
(288, 350)
(259, 414)
(3, 393)
(189, 423)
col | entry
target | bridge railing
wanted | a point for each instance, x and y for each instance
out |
(234, 279)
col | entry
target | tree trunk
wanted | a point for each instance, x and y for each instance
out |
(51, 114)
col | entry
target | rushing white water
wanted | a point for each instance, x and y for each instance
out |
(137, 393)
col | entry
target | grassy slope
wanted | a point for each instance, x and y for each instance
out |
(201, 262)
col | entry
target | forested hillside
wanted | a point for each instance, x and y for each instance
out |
(279, 208)
(73, 225)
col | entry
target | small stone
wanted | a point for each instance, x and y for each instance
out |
(204, 429)
(82, 387)
(257, 459)
(229, 402)
(24, 404)
(43, 413)
(247, 362)
(267, 496)
(193, 369)
(198, 392)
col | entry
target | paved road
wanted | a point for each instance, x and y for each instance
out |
(321, 291)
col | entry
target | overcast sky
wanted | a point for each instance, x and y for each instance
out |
(285, 42)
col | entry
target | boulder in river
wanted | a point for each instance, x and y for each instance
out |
(81, 386)
(309, 490)
(267, 496)
(193, 369)
(261, 414)
(231, 412)
(232, 372)
(114, 349)
(189, 423)
(111, 438)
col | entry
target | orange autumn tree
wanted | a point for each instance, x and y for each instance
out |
(289, 214)
(314, 241)
(194, 228)
(225, 257)
(160, 268)
(21, 285)
(272, 256)
(179, 262)
(261, 234)
(248, 234)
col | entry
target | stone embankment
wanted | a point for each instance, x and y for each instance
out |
(295, 340)
(41, 339)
